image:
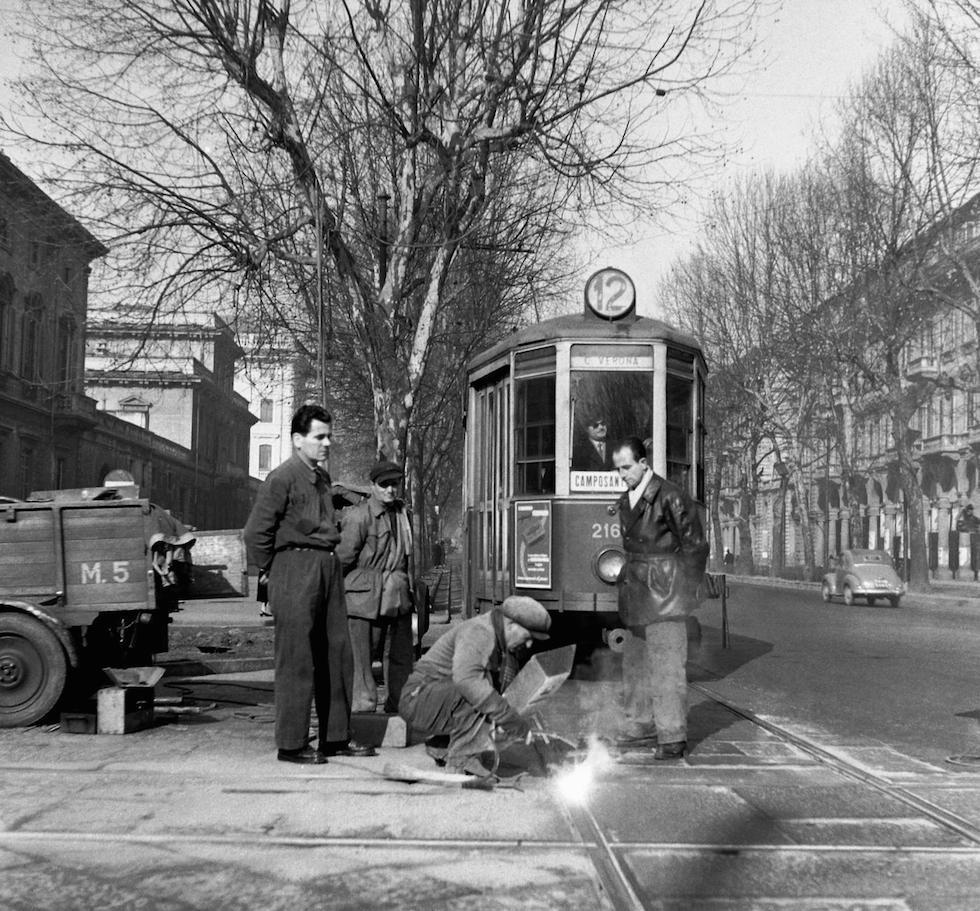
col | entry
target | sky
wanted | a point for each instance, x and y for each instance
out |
(807, 53)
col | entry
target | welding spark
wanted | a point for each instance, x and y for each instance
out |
(575, 782)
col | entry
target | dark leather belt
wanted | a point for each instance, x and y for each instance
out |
(325, 550)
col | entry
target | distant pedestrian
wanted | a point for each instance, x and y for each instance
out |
(729, 558)
(375, 554)
(665, 559)
(966, 521)
(456, 689)
(291, 535)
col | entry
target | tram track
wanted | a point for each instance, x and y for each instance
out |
(930, 810)
(611, 859)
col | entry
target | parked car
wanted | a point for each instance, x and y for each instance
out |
(863, 573)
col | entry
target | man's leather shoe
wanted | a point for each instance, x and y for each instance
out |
(304, 756)
(674, 750)
(347, 748)
(635, 736)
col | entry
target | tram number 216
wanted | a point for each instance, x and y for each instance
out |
(605, 529)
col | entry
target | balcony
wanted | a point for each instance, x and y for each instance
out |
(925, 367)
(948, 444)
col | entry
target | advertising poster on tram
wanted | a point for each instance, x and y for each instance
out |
(533, 543)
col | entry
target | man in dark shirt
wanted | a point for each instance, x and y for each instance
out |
(291, 535)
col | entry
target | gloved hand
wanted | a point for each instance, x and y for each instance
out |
(513, 726)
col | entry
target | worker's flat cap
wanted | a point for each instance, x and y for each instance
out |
(528, 613)
(386, 471)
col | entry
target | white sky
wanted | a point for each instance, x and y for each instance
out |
(807, 54)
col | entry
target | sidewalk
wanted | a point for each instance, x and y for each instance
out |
(195, 812)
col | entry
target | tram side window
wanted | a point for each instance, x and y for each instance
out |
(535, 427)
(680, 418)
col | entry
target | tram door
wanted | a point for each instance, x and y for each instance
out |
(488, 534)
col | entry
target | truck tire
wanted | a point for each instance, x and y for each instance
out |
(33, 670)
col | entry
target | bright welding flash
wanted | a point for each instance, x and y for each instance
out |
(575, 783)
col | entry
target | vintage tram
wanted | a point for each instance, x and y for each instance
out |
(545, 409)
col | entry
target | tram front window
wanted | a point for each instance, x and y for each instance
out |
(607, 407)
(536, 435)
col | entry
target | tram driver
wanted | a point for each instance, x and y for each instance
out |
(592, 449)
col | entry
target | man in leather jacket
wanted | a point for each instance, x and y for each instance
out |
(666, 555)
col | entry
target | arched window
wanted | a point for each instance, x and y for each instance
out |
(30, 339)
(6, 316)
(265, 457)
(66, 353)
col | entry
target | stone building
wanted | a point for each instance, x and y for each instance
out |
(946, 441)
(44, 268)
(177, 382)
(53, 433)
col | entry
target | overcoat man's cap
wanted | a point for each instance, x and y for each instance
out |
(386, 471)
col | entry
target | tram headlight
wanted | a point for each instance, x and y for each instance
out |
(608, 564)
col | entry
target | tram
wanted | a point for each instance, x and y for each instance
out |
(545, 409)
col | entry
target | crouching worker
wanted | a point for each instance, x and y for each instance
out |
(456, 688)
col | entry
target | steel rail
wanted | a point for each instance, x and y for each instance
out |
(938, 814)
(612, 877)
(584, 846)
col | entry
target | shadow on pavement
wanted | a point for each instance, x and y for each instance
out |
(712, 662)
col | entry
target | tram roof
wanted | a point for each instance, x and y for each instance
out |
(583, 326)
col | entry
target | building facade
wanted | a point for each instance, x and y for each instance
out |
(177, 382)
(945, 432)
(190, 455)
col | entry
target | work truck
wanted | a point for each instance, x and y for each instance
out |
(87, 580)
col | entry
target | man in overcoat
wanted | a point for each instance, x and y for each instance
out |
(291, 535)
(375, 555)
(666, 554)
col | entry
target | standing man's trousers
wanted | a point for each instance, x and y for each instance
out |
(312, 646)
(395, 635)
(655, 678)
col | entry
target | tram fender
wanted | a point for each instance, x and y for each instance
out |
(617, 638)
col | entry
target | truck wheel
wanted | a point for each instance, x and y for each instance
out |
(848, 596)
(33, 670)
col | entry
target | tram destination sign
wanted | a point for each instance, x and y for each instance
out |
(532, 542)
(596, 482)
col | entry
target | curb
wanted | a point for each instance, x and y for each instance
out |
(202, 668)
(921, 599)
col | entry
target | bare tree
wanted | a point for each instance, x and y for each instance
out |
(758, 287)
(220, 147)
